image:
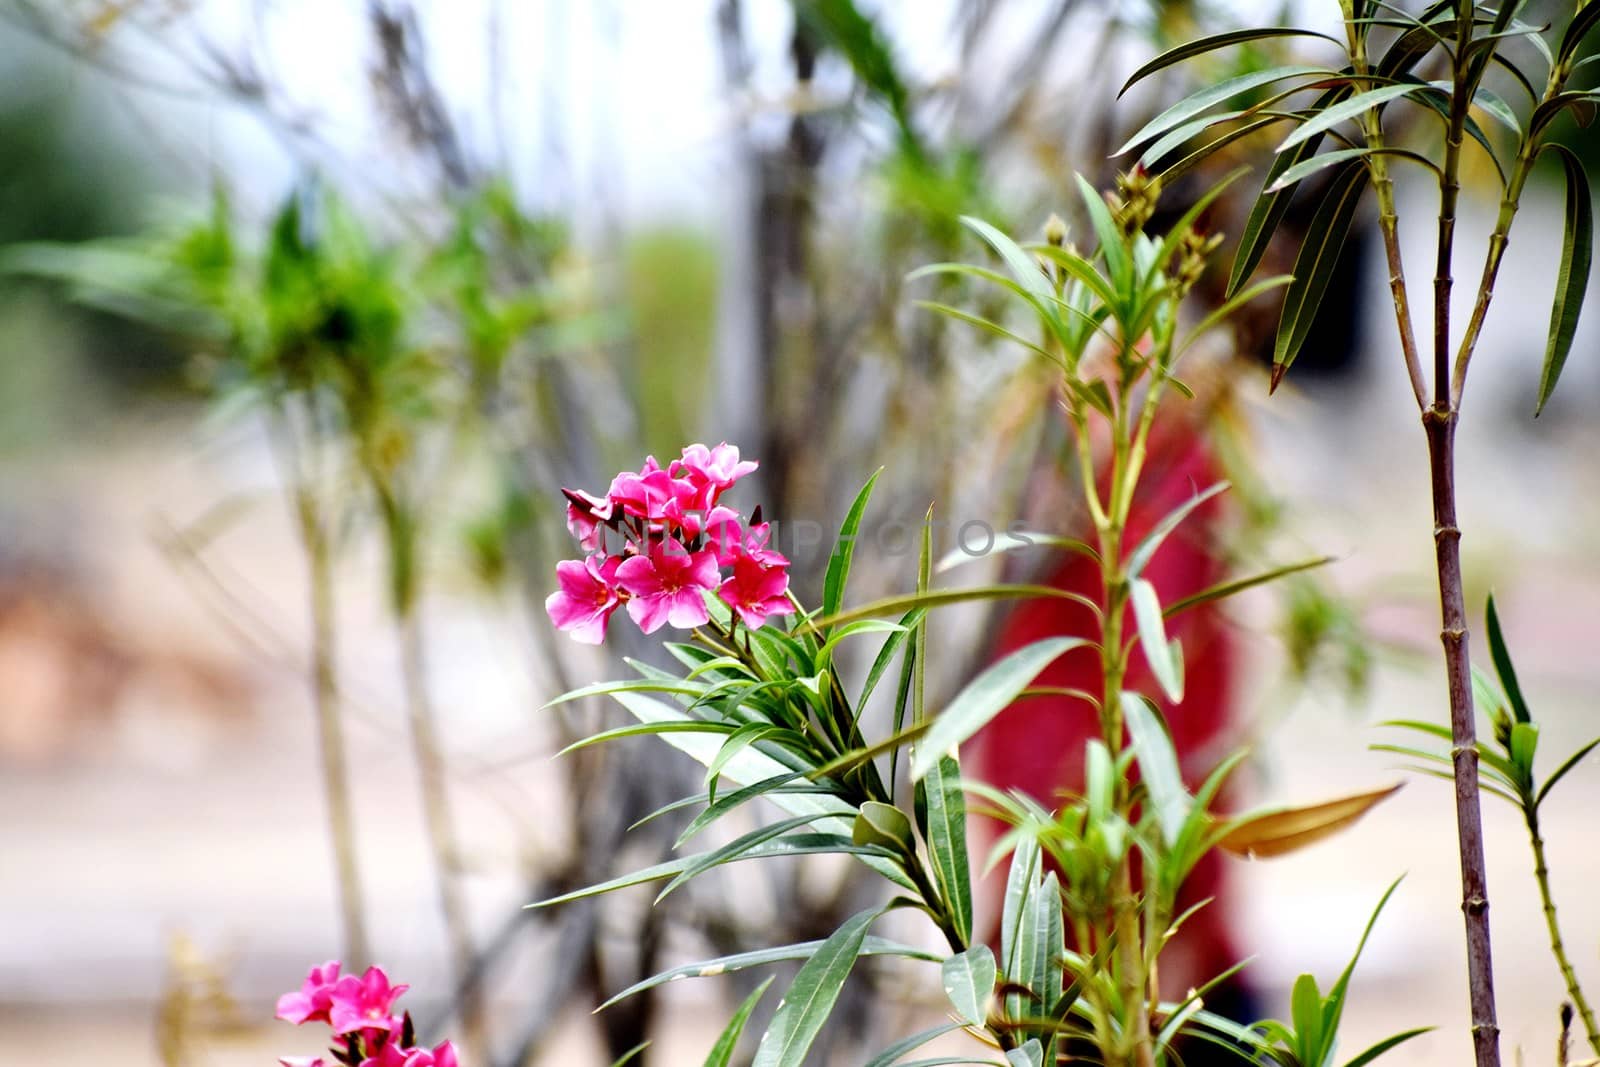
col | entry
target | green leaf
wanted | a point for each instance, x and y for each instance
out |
(969, 983)
(746, 846)
(1270, 208)
(937, 598)
(1386, 1044)
(942, 809)
(985, 697)
(987, 325)
(886, 826)
(1502, 663)
(1577, 248)
(1158, 764)
(721, 1054)
(1561, 772)
(1014, 540)
(1142, 553)
(1020, 878)
(1585, 20)
(632, 1054)
(1226, 589)
(645, 874)
(844, 549)
(862, 626)
(1153, 639)
(810, 999)
(1305, 1009)
(1023, 267)
(739, 961)
(737, 742)
(1497, 109)
(1031, 1054)
(1319, 254)
(1212, 43)
(1208, 97)
(1307, 167)
(891, 1055)
(631, 685)
(778, 783)
(752, 766)
(1050, 948)
(1118, 266)
(1362, 102)
(1524, 743)
(909, 622)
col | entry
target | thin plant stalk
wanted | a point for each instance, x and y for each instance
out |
(1558, 948)
(400, 535)
(312, 528)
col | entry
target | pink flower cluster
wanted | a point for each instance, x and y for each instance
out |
(360, 1012)
(659, 540)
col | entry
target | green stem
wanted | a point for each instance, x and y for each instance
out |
(1388, 219)
(1541, 874)
(1527, 154)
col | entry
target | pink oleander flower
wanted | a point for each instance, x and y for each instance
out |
(443, 1055)
(312, 1001)
(644, 495)
(302, 1061)
(587, 597)
(730, 539)
(756, 590)
(713, 470)
(586, 514)
(666, 586)
(364, 1003)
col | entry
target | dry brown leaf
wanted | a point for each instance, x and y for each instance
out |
(1279, 832)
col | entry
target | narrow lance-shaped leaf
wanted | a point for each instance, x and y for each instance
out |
(1278, 832)
(810, 999)
(1211, 44)
(1146, 548)
(1503, 665)
(985, 697)
(1208, 97)
(740, 961)
(1358, 104)
(1158, 765)
(1223, 590)
(751, 766)
(897, 1051)
(1270, 208)
(721, 1054)
(1572, 279)
(1030, 1054)
(844, 549)
(1164, 663)
(1314, 266)
(942, 808)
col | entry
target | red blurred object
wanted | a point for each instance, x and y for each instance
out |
(1036, 746)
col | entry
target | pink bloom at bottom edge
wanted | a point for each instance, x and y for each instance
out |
(756, 590)
(586, 599)
(442, 1055)
(312, 1001)
(667, 586)
(302, 1061)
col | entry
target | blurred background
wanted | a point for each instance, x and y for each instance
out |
(543, 239)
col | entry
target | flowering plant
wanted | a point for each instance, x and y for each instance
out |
(1093, 889)
(360, 1012)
